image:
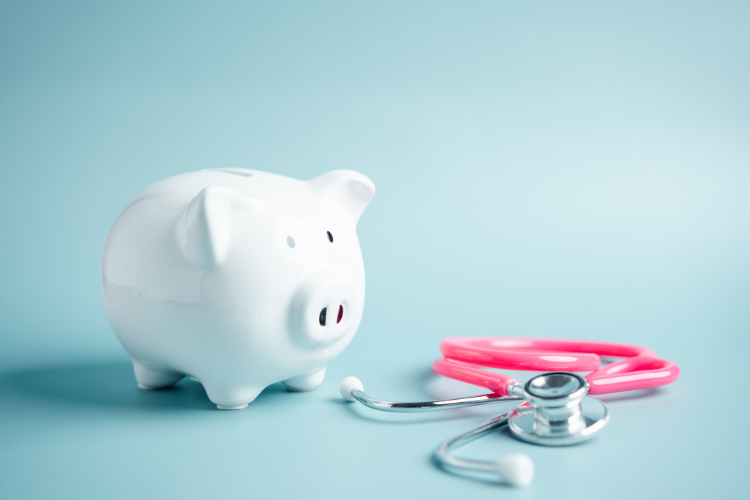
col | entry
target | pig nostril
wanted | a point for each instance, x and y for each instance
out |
(341, 314)
(322, 317)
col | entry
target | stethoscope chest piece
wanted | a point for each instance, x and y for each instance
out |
(558, 411)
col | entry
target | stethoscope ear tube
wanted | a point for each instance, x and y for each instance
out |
(351, 389)
(516, 469)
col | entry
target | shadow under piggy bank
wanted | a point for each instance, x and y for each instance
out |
(109, 385)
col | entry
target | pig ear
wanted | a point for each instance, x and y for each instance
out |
(208, 223)
(350, 190)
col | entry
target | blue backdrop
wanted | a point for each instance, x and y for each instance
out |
(562, 169)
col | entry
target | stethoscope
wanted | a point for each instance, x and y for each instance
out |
(556, 408)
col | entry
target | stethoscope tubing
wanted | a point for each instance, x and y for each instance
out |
(640, 368)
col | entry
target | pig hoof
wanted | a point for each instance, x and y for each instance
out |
(299, 389)
(306, 381)
(222, 407)
(149, 376)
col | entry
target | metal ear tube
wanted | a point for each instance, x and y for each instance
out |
(516, 469)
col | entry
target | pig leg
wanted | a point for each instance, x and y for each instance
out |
(150, 376)
(306, 381)
(230, 398)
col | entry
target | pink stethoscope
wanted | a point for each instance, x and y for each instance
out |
(556, 409)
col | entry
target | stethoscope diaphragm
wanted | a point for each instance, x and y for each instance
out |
(558, 411)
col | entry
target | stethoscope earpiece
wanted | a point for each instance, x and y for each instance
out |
(516, 469)
(348, 385)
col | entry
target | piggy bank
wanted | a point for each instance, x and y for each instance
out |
(237, 278)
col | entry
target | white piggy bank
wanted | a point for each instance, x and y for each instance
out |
(237, 278)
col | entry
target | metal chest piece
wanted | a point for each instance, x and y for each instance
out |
(557, 411)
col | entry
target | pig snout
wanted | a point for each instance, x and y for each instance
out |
(324, 309)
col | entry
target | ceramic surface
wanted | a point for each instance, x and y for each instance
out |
(237, 278)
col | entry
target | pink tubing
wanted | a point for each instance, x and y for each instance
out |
(640, 369)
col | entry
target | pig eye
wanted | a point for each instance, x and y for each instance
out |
(290, 241)
(330, 236)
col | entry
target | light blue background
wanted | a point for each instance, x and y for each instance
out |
(561, 169)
